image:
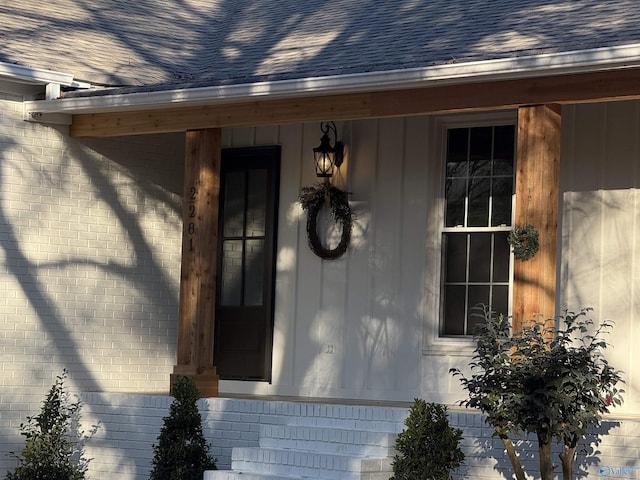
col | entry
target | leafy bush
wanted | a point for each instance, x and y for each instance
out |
(429, 448)
(554, 382)
(52, 449)
(182, 453)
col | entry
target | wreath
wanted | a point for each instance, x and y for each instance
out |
(312, 200)
(524, 241)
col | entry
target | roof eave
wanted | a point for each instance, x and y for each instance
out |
(580, 61)
(37, 76)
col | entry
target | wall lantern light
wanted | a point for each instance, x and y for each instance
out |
(326, 156)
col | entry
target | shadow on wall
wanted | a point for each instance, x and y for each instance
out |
(66, 271)
(484, 449)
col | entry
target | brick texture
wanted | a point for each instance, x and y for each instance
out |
(89, 264)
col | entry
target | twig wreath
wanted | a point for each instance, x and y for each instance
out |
(524, 240)
(312, 200)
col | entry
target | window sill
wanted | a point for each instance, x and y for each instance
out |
(460, 347)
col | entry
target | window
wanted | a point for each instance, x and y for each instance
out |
(479, 183)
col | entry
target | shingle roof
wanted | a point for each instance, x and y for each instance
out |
(153, 42)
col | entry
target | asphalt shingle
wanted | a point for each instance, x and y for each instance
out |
(155, 42)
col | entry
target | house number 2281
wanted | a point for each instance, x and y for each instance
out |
(191, 225)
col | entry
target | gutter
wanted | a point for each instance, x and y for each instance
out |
(37, 76)
(579, 61)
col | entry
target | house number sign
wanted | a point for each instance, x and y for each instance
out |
(191, 217)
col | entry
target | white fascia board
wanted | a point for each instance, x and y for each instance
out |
(579, 61)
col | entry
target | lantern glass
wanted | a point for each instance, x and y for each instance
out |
(327, 156)
(324, 163)
(324, 156)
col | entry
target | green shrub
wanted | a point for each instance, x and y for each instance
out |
(429, 448)
(52, 449)
(182, 453)
(551, 381)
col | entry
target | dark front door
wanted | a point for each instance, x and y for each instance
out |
(246, 267)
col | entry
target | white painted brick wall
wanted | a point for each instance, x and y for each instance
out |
(89, 272)
(89, 264)
(130, 425)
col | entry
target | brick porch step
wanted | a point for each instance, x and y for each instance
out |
(319, 442)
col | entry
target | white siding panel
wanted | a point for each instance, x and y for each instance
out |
(267, 135)
(330, 321)
(600, 217)
(288, 244)
(414, 246)
(363, 156)
(384, 323)
(582, 207)
(310, 281)
(243, 137)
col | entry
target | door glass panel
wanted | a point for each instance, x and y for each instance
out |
(233, 204)
(231, 288)
(257, 191)
(254, 272)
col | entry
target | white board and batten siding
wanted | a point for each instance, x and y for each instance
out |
(363, 326)
(600, 259)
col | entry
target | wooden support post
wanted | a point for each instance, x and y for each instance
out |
(198, 276)
(537, 184)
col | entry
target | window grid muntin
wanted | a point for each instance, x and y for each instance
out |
(491, 283)
(495, 175)
(237, 296)
(468, 176)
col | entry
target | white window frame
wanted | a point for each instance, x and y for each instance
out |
(435, 343)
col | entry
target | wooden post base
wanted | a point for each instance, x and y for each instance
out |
(206, 379)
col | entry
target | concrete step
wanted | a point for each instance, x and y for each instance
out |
(321, 466)
(328, 440)
(352, 417)
(231, 475)
(306, 441)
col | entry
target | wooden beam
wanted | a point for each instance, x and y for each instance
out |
(537, 183)
(198, 276)
(576, 88)
(217, 116)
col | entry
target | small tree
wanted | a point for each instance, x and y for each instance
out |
(53, 449)
(429, 448)
(182, 453)
(554, 382)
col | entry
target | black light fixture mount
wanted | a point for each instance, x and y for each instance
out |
(327, 157)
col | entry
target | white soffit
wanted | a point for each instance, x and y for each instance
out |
(579, 61)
